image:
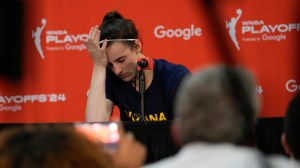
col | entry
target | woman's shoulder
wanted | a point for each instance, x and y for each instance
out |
(163, 65)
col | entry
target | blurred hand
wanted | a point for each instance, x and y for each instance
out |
(130, 152)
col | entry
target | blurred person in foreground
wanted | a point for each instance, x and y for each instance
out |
(216, 110)
(56, 146)
(290, 138)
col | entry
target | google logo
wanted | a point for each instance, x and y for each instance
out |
(186, 33)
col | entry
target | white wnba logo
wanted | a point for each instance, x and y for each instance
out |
(37, 37)
(231, 26)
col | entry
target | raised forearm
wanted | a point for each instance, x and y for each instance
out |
(96, 110)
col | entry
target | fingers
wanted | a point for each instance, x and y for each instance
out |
(93, 37)
(97, 36)
(90, 33)
(94, 33)
(104, 44)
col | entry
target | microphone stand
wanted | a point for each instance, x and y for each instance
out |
(142, 79)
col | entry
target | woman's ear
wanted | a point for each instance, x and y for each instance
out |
(285, 145)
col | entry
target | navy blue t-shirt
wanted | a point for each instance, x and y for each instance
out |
(158, 97)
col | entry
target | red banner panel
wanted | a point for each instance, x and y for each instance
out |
(260, 35)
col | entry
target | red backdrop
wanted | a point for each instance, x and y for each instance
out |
(57, 67)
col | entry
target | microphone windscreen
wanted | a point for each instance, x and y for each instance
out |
(150, 63)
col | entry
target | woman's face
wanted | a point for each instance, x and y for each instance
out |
(122, 60)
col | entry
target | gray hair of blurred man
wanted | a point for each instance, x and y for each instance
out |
(217, 104)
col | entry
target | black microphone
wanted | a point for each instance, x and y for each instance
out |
(143, 63)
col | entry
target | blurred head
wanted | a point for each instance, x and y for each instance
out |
(122, 54)
(45, 147)
(291, 138)
(217, 105)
